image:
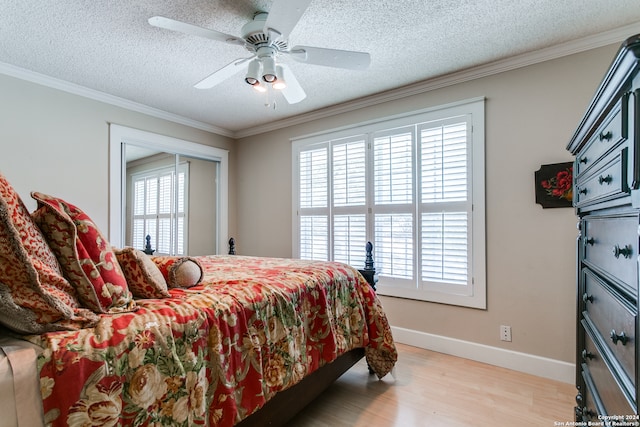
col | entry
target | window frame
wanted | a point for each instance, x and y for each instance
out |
(473, 294)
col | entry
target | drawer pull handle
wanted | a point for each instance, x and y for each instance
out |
(621, 337)
(582, 191)
(583, 160)
(605, 136)
(625, 252)
(587, 355)
(603, 179)
(590, 241)
(587, 298)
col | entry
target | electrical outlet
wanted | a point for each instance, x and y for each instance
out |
(505, 333)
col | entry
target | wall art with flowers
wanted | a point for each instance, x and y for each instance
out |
(554, 185)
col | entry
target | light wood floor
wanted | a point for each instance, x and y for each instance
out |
(438, 390)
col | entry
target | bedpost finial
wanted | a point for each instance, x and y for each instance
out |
(147, 247)
(232, 246)
(368, 261)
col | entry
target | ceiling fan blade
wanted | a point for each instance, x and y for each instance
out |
(223, 73)
(284, 15)
(183, 27)
(348, 59)
(293, 93)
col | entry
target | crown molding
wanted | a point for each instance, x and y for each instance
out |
(564, 49)
(96, 95)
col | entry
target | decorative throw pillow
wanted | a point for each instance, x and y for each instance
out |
(180, 272)
(25, 320)
(35, 297)
(143, 276)
(85, 255)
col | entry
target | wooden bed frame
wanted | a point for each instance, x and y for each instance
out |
(282, 407)
(286, 404)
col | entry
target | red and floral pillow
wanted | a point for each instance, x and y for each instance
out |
(85, 255)
(34, 296)
(143, 276)
(179, 272)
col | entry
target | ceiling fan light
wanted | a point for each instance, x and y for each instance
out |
(269, 69)
(253, 73)
(280, 83)
(260, 87)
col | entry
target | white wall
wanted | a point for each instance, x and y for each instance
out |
(58, 143)
(531, 114)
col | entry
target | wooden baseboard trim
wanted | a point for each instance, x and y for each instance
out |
(523, 362)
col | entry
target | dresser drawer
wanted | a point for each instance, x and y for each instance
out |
(606, 389)
(611, 248)
(607, 181)
(614, 320)
(589, 405)
(588, 410)
(606, 137)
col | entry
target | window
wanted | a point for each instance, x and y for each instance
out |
(414, 187)
(159, 209)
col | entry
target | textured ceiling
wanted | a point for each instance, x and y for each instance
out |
(108, 46)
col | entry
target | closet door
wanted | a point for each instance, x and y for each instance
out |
(171, 203)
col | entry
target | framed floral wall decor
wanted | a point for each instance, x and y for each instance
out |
(554, 185)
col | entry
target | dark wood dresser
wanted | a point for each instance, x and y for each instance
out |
(606, 195)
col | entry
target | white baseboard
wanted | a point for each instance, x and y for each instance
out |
(523, 362)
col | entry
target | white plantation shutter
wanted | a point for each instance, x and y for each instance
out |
(444, 247)
(159, 200)
(393, 206)
(313, 189)
(164, 236)
(349, 173)
(393, 168)
(314, 237)
(180, 231)
(332, 201)
(445, 207)
(349, 191)
(394, 245)
(151, 195)
(165, 202)
(314, 178)
(350, 237)
(443, 151)
(414, 187)
(138, 221)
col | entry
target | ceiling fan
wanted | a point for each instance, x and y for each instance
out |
(266, 38)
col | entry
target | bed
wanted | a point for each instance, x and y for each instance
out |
(249, 343)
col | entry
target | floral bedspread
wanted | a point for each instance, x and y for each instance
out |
(215, 353)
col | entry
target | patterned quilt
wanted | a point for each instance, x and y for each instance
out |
(215, 353)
